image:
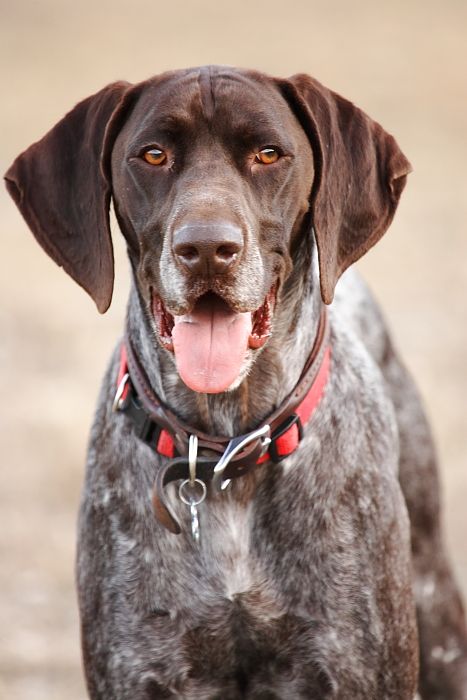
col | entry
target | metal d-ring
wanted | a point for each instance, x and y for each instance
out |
(192, 457)
(118, 400)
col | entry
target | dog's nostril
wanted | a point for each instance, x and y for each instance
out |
(227, 251)
(187, 252)
(207, 248)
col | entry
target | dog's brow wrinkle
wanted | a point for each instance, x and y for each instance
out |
(159, 131)
(206, 88)
(154, 125)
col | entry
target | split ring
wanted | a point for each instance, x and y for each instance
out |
(198, 492)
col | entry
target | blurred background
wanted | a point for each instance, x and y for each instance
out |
(403, 62)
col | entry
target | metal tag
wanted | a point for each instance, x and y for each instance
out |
(193, 494)
(193, 491)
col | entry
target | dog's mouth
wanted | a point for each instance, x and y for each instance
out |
(211, 341)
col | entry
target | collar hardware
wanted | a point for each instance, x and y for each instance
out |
(220, 459)
(235, 446)
(122, 392)
(285, 438)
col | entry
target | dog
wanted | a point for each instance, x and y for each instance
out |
(260, 515)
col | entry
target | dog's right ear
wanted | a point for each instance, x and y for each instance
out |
(62, 187)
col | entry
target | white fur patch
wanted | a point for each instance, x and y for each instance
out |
(229, 546)
(447, 656)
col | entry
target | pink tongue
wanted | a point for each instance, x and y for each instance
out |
(210, 345)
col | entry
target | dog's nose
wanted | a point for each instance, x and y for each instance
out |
(207, 249)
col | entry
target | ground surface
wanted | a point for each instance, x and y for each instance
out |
(402, 62)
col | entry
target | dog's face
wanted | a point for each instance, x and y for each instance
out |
(214, 173)
(211, 178)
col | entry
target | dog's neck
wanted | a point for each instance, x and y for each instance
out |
(271, 378)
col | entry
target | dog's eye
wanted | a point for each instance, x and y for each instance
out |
(267, 156)
(155, 156)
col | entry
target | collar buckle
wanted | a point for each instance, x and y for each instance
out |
(234, 447)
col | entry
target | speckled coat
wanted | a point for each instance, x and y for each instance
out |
(309, 582)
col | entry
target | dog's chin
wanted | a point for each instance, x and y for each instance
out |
(214, 345)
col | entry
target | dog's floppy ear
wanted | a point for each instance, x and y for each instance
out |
(62, 187)
(360, 173)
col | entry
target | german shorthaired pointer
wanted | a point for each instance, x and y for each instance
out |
(256, 454)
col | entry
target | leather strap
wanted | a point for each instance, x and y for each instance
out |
(157, 425)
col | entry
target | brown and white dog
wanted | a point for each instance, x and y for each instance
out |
(298, 574)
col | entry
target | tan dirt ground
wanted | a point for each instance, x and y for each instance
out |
(404, 62)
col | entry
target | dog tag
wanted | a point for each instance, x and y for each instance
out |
(193, 491)
(193, 494)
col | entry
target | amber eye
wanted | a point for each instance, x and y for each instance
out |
(267, 156)
(155, 156)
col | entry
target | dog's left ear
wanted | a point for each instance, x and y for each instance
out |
(62, 187)
(360, 173)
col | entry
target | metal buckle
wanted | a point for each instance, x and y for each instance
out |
(236, 445)
(280, 431)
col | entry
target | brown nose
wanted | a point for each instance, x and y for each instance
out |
(207, 249)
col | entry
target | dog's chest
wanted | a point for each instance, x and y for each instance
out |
(226, 546)
(232, 620)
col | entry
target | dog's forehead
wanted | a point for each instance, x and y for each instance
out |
(241, 97)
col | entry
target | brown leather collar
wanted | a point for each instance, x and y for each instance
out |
(161, 428)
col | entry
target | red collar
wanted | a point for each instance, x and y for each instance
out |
(160, 428)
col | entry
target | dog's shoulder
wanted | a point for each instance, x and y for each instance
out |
(356, 310)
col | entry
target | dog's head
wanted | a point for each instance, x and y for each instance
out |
(215, 174)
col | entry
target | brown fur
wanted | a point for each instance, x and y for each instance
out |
(303, 586)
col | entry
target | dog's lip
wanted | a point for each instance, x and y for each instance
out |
(261, 318)
(164, 321)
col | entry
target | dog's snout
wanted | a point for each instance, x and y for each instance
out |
(207, 248)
